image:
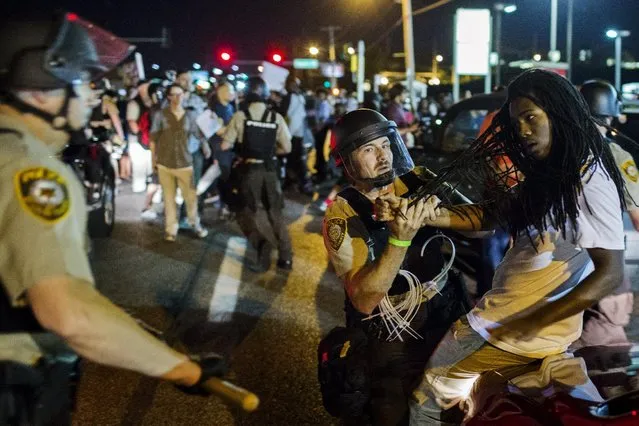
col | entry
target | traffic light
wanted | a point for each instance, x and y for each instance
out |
(327, 84)
(225, 56)
(276, 57)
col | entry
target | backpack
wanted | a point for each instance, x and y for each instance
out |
(344, 372)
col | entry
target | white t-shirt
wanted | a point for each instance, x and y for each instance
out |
(528, 278)
(296, 115)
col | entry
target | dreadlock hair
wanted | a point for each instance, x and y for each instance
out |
(522, 192)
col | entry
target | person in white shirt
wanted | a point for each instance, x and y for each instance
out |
(294, 109)
(565, 216)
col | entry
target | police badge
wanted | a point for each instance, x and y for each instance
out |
(335, 231)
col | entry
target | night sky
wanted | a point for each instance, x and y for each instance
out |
(251, 28)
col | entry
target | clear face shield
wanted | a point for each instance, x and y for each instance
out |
(378, 156)
(80, 47)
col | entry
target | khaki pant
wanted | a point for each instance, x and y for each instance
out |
(170, 179)
(459, 360)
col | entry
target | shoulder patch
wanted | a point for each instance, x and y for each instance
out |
(335, 231)
(629, 168)
(43, 193)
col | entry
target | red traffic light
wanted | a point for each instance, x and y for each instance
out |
(225, 56)
(277, 58)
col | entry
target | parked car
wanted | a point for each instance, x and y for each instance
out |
(464, 119)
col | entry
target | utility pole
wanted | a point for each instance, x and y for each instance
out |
(409, 51)
(553, 54)
(331, 50)
(569, 39)
(498, 46)
(361, 52)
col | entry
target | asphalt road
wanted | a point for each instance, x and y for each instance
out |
(267, 324)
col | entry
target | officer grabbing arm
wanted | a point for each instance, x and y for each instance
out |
(48, 302)
(399, 289)
(604, 103)
(260, 134)
(604, 323)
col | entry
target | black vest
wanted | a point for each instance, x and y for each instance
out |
(260, 137)
(425, 268)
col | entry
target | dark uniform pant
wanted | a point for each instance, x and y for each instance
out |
(297, 163)
(37, 396)
(260, 183)
(397, 367)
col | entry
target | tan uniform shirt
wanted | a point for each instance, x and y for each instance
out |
(42, 226)
(630, 174)
(235, 130)
(346, 236)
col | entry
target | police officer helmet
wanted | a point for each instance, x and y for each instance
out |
(53, 54)
(361, 128)
(57, 54)
(602, 98)
(256, 90)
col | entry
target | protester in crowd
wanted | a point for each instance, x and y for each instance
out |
(172, 128)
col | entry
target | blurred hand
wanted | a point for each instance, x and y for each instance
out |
(206, 150)
(210, 365)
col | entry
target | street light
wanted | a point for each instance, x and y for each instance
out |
(439, 58)
(617, 35)
(499, 9)
(313, 50)
(537, 57)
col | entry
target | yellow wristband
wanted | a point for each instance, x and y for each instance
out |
(399, 243)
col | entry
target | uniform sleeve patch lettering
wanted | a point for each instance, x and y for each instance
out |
(336, 230)
(629, 169)
(43, 193)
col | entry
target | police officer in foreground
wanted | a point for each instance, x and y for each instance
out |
(389, 269)
(260, 134)
(604, 323)
(49, 307)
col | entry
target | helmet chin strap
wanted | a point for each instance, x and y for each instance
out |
(58, 121)
(380, 181)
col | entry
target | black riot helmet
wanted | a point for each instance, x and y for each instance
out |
(256, 90)
(56, 54)
(366, 131)
(48, 55)
(602, 98)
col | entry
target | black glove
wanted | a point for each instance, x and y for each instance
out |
(212, 365)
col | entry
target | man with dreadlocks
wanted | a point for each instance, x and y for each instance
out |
(564, 215)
